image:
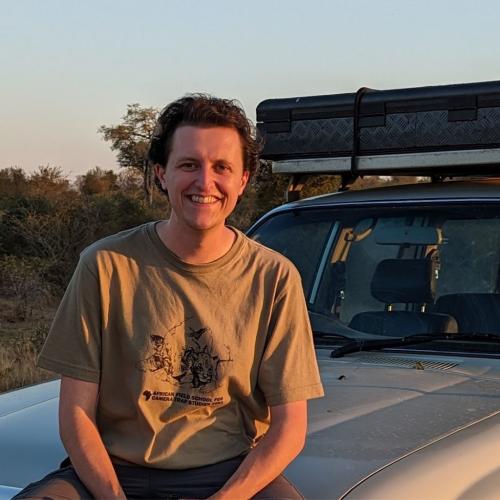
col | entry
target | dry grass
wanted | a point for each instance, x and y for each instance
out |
(18, 359)
(20, 343)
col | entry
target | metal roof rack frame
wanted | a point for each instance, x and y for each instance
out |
(435, 164)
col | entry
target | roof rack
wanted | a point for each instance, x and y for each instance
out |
(437, 165)
(436, 131)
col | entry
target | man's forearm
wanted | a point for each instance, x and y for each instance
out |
(81, 438)
(89, 456)
(280, 445)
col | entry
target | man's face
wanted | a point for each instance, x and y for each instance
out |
(204, 176)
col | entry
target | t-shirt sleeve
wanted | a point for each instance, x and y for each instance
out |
(73, 345)
(289, 370)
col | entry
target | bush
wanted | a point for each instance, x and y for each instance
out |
(18, 360)
(22, 279)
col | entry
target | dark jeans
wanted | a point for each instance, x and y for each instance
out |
(143, 482)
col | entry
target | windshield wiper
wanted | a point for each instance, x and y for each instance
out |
(331, 335)
(328, 338)
(373, 345)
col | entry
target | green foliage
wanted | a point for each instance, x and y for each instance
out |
(269, 188)
(23, 278)
(52, 227)
(130, 139)
(245, 212)
(97, 181)
(48, 180)
(18, 359)
(13, 182)
(373, 181)
(320, 184)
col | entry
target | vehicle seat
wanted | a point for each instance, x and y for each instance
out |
(408, 281)
(474, 312)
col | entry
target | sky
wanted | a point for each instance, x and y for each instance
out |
(69, 66)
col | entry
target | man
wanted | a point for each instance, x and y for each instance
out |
(184, 347)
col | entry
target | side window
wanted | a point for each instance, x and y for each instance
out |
(470, 256)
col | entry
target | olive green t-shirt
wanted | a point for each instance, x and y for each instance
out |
(188, 357)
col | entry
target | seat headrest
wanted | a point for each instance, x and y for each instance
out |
(404, 281)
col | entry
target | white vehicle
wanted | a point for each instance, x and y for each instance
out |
(402, 285)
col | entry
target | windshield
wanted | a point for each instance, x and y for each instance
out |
(391, 272)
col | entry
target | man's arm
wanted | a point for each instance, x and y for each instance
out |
(79, 434)
(280, 445)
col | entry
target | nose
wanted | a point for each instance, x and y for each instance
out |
(204, 178)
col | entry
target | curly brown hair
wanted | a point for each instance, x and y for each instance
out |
(204, 110)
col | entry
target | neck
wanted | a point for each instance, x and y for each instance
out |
(194, 246)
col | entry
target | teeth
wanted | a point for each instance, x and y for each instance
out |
(203, 199)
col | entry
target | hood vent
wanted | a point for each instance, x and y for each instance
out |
(418, 364)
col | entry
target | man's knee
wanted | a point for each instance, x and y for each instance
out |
(62, 484)
(281, 488)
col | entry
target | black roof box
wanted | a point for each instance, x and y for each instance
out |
(371, 123)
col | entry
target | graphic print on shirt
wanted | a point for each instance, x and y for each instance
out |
(195, 364)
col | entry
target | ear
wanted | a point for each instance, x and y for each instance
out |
(160, 175)
(244, 181)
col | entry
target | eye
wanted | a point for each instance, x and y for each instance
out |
(188, 166)
(222, 168)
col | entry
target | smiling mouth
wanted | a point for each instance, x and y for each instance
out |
(204, 200)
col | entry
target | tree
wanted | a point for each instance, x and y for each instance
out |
(13, 182)
(130, 182)
(371, 181)
(97, 181)
(131, 141)
(48, 181)
(131, 137)
(22, 279)
(270, 188)
(320, 184)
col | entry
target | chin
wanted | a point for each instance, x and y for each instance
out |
(205, 226)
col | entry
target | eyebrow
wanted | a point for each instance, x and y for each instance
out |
(186, 158)
(196, 160)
